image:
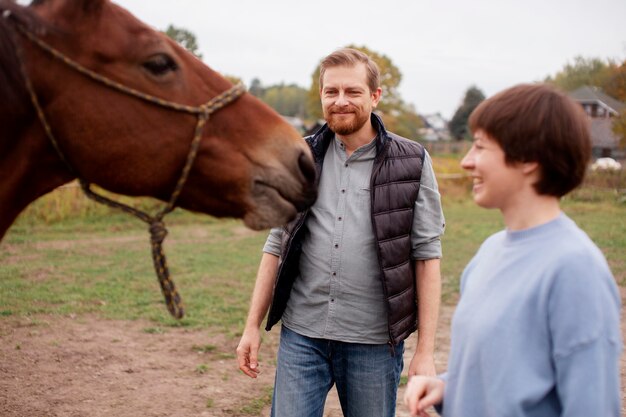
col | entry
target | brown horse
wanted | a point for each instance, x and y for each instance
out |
(250, 164)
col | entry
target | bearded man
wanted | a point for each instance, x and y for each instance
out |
(355, 274)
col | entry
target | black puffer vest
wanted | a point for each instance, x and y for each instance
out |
(395, 182)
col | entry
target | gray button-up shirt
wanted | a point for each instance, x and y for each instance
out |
(339, 293)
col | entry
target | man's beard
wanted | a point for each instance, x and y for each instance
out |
(346, 126)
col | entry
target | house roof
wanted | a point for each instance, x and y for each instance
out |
(588, 94)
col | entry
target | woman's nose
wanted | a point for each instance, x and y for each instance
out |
(468, 161)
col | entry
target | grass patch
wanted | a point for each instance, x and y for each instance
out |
(202, 368)
(256, 405)
(104, 267)
(204, 348)
(153, 330)
(99, 262)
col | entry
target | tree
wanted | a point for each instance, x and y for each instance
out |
(583, 71)
(313, 105)
(458, 123)
(256, 88)
(615, 84)
(404, 122)
(185, 38)
(616, 87)
(288, 100)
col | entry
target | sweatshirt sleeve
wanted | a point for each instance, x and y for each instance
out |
(588, 380)
(439, 407)
(585, 328)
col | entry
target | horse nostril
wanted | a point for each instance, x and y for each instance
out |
(307, 167)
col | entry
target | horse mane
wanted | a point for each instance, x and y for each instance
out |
(12, 88)
(87, 6)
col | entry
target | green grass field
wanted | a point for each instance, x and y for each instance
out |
(65, 255)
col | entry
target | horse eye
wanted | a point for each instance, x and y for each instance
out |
(160, 64)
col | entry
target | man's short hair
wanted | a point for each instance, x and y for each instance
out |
(538, 123)
(350, 57)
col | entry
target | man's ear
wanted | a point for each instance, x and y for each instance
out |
(376, 96)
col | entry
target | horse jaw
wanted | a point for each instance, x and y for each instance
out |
(265, 216)
(277, 193)
(268, 207)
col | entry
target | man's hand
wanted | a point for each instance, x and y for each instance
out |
(248, 352)
(248, 349)
(422, 364)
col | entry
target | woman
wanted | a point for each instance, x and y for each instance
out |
(536, 331)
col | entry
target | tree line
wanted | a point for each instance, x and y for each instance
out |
(401, 117)
(293, 100)
(296, 101)
(608, 75)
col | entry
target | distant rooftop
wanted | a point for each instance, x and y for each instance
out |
(587, 94)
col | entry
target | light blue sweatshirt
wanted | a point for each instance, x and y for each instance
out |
(537, 329)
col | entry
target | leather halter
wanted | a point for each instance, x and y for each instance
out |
(156, 226)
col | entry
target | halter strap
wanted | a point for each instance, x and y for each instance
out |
(211, 106)
(157, 227)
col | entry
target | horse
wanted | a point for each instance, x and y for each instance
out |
(90, 92)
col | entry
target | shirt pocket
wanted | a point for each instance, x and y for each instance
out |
(363, 196)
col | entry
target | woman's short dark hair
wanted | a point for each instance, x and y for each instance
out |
(538, 123)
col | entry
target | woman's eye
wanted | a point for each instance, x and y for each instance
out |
(160, 64)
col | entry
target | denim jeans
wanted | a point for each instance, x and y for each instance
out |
(366, 376)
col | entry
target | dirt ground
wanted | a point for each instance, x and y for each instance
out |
(84, 366)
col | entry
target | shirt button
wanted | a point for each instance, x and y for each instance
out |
(336, 245)
(339, 218)
(334, 274)
(332, 300)
(346, 165)
(343, 191)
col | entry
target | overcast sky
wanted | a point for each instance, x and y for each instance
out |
(441, 47)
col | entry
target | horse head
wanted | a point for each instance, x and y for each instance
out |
(250, 163)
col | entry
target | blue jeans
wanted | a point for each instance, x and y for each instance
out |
(366, 376)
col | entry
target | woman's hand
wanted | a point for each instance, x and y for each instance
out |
(423, 392)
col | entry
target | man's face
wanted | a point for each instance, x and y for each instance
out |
(347, 101)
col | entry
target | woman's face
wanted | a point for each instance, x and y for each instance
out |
(496, 184)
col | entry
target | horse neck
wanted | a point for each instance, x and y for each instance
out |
(29, 168)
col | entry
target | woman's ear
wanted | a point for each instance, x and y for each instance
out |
(529, 168)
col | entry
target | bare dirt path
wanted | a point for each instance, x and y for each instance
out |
(84, 366)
